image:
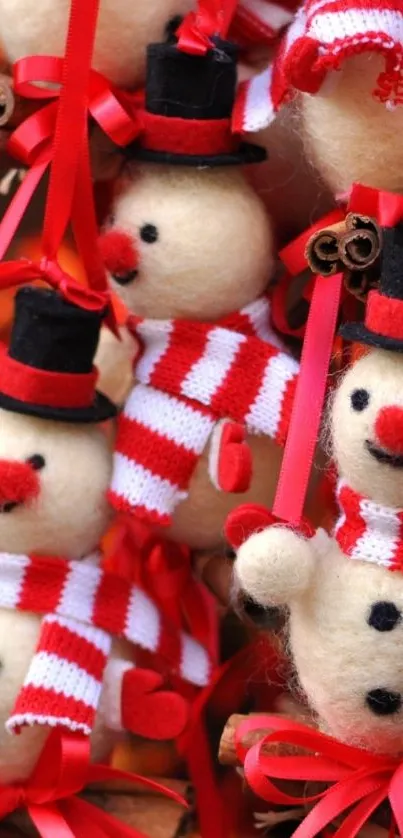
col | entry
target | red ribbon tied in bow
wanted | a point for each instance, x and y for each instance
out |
(49, 796)
(211, 19)
(21, 271)
(360, 780)
(34, 144)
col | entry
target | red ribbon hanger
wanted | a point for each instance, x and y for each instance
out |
(212, 19)
(62, 772)
(360, 780)
(57, 136)
(316, 355)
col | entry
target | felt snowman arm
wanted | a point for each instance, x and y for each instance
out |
(132, 700)
(275, 566)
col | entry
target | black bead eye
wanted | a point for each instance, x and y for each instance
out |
(383, 702)
(149, 233)
(384, 616)
(172, 28)
(359, 399)
(230, 553)
(36, 461)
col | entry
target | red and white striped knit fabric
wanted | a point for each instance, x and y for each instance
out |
(368, 531)
(85, 607)
(322, 35)
(190, 376)
(260, 22)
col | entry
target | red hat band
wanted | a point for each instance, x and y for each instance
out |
(384, 315)
(47, 389)
(186, 136)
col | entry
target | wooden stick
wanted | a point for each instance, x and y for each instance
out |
(227, 751)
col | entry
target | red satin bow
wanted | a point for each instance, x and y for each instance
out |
(360, 780)
(302, 438)
(58, 135)
(212, 19)
(49, 796)
(21, 271)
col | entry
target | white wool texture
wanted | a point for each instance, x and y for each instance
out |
(214, 252)
(349, 134)
(39, 27)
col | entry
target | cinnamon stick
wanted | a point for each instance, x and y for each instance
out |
(227, 754)
(322, 250)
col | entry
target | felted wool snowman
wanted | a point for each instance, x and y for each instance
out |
(67, 627)
(190, 252)
(345, 594)
(341, 63)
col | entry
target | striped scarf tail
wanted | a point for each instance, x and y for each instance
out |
(64, 681)
(190, 376)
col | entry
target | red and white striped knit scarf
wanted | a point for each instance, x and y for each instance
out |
(322, 35)
(85, 608)
(190, 376)
(368, 531)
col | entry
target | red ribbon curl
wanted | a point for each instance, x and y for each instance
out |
(360, 780)
(49, 796)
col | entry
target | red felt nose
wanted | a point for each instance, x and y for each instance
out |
(389, 429)
(18, 482)
(119, 252)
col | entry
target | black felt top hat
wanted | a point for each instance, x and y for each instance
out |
(48, 369)
(383, 325)
(189, 101)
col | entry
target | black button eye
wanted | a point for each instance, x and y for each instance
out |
(172, 28)
(384, 616)
(36, 461)
(230, 553)
(383, 702)
(359, 399)
(149, 233)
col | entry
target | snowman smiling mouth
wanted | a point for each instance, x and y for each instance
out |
(394, 460)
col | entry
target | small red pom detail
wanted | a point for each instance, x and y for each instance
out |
(389, 429)
(234, 459)
(247, 519)
(118, 251)
(19, 482)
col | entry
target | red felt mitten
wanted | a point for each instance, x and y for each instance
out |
(230, 464)
(148, 711)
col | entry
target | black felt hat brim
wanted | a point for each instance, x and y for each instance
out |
(100, 410)
(247, 153)
(359, 333)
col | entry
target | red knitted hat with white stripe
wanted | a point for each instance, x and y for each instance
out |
(323, 34)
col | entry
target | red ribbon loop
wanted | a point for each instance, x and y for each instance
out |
(212, 19)
(23, 271)
(63, 771)
(361, 780)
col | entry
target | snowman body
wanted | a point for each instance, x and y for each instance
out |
(195, 245)
(345, 593)
(66, 516)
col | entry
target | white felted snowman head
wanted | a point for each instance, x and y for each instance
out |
(345, 594)
(123, 32)
(189, 237)
(341, 63)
